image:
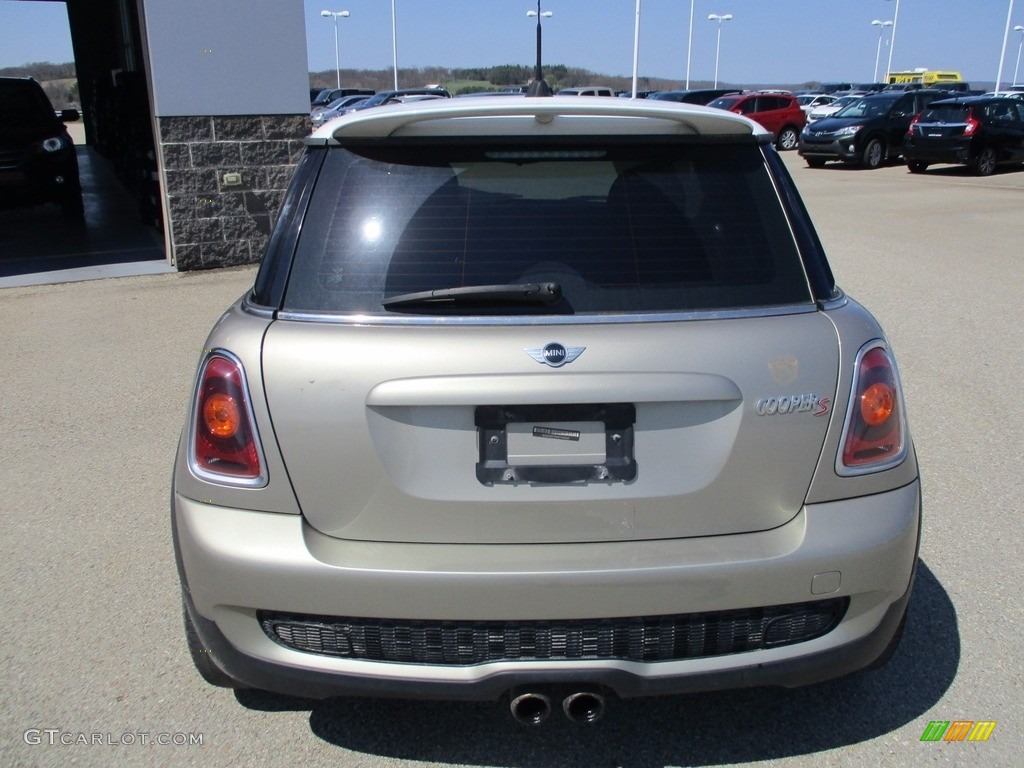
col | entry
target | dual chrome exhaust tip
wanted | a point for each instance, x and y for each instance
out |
(534, 707)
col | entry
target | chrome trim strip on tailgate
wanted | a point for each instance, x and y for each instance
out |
(651, 317)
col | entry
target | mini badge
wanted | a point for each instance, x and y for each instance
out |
(554, 354)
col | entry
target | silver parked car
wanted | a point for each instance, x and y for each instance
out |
(336, 108)
(543, 401)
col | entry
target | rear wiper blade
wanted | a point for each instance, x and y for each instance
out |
(525, 293)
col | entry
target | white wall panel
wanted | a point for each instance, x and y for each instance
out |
(227, 57)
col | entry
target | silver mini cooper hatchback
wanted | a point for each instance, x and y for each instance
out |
(543, 402)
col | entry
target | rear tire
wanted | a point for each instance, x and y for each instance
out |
(203, 658)
(874, 154)
(787, 139)
(984, 163)
(917, 166)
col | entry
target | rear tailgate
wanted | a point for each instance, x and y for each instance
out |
(940, 135)
(450, 433)
(941, 127)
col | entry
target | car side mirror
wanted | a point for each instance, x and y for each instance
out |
(69, 115)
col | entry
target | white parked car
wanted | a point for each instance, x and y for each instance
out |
(589, 90)
(808, 101)
(827, 110)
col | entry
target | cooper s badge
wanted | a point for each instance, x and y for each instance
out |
(807, 402)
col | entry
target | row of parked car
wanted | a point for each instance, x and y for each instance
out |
(330, 103)
(867, 128)
(922, 126)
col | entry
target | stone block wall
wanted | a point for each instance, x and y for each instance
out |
(212, 221)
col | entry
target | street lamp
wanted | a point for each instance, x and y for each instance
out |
(537, 74)
(394, 42)
(689, 46)
(881, 30)
(892, 39)
(337, 55)
(718, 46)
(1002, 53)
(1020, 29)
(636, 46)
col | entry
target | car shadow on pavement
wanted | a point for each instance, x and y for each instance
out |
(963, 172)
(697, 729)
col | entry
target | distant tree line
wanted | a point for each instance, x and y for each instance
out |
(475, 79)
(58, 80)
(41, 71)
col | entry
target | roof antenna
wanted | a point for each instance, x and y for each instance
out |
(539, 88)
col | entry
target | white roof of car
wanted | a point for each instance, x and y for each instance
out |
(584, 115)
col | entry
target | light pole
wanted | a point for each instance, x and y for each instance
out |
(1020, 29)
(337, 55)
(892, 40)
(394, 43)
(537, 74)
(1002, 54)
(689, 46)
(881, 30)
(636, 45)
(718, 46)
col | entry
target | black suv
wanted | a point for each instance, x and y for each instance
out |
(867, 132)
(693, 96)
(979, 132)
(38, 163)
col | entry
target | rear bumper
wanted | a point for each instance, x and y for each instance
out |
(235, 562)
(957, 154)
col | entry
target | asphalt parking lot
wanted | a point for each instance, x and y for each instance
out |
(95, 669)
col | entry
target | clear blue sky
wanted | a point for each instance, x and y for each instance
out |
(767, 41)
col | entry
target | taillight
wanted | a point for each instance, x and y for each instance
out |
(874, 435)
(910, 128)
(973, 124)
(224, 446)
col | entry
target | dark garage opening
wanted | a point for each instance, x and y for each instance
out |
(117, 160)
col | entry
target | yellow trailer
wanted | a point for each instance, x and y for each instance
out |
(927, 77)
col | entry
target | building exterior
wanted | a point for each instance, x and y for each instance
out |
(229, 87)
(201, 105)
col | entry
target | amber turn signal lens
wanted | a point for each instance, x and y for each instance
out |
(221, 416)
(877, 404)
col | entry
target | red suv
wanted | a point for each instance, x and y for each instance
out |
(777, 112)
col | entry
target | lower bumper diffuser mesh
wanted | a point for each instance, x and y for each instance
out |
(646, 638)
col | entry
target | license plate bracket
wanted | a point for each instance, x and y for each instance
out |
(494, 468)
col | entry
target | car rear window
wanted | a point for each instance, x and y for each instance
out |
(724, 103)
(946, 113)
(867, 107)
(620, 228)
